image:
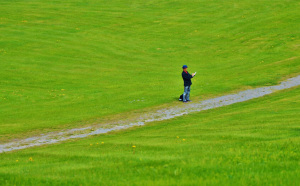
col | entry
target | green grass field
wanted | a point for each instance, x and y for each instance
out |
(67, 62)
(252, 143)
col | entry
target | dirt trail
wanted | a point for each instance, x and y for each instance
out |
(159, 115)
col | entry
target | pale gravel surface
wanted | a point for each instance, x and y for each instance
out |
(159, 115)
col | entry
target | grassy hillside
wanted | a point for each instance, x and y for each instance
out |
(252, 143)
(63, 62)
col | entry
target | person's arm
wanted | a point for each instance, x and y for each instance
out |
(187, 76)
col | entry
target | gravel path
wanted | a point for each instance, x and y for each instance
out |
(159, 115)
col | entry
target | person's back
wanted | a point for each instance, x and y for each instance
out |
(186, 76)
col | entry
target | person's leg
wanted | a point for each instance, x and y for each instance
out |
(185, 93)
(188, 93)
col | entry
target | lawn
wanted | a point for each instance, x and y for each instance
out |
(67, 62)
(251, 143)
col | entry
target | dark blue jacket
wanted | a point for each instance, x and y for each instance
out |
(187, 78)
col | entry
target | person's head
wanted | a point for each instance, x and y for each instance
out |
(184, 67)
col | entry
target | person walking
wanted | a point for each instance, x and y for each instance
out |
(186, 76)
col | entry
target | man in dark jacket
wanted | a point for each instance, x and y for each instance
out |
(186, 76)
